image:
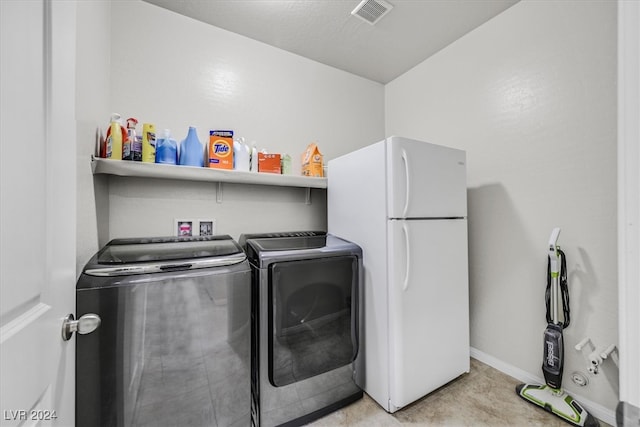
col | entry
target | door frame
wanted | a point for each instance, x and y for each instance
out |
(628, 199)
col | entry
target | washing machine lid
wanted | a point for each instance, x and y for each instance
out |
(161, 254)
(263, 251)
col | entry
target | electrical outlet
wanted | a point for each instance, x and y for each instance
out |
(194, 227)
(185, 227)
(206, 227)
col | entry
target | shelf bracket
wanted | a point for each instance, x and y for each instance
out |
(219, 193)
(307, 200)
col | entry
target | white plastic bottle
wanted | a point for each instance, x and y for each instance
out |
(241, 155)
(254, 157)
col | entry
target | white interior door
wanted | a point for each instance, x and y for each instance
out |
(37, 155)
(429, 306)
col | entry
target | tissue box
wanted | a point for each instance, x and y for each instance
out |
(269, 163)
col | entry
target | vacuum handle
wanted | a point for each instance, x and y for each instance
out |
(554, 272)
(553, 252)
(553, 240)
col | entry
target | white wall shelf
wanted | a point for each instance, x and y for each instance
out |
(189, 173)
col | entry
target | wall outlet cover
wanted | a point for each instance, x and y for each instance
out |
(206, 227)
(184, 227)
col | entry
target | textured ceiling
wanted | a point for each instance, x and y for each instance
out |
(325, 30)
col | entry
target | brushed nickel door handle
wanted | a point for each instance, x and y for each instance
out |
(84, 325)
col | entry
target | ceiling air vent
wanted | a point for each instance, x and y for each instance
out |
(372, 11)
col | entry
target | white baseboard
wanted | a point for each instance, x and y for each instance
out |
(597, 410)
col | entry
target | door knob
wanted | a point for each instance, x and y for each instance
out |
(84, 325)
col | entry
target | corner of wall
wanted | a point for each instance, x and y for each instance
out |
(93, 46)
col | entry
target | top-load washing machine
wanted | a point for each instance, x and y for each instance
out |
(173, 346)
(306, 325)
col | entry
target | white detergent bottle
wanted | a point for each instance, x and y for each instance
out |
(254, 157)
(241, 155)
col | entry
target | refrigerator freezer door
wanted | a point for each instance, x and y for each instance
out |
(425, 180)
(428, 306)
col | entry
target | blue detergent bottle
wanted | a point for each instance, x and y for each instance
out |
(167, 149)
(191, 152)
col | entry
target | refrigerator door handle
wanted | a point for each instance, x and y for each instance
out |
(355, 318)
(407, 193)
(405, 230)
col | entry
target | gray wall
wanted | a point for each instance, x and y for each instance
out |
(531, 97)
(176, 72)
(179, 72)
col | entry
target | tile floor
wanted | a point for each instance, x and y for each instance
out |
(483, 397)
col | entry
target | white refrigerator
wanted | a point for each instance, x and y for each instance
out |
(405, 203)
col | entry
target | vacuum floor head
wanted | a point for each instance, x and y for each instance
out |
(558, 403)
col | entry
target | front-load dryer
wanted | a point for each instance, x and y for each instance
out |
(306, 325)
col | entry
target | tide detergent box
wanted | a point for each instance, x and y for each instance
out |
(221, 149)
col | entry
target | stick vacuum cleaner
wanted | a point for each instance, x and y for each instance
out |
(550, 396)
